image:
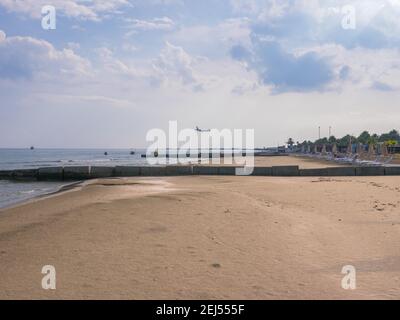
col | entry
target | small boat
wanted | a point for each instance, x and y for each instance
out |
(132, 153)
(32, 147)
(106, 153)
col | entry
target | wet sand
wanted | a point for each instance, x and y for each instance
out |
(206, 238)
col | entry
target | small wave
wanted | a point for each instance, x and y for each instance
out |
(27, 192)
(86, 160)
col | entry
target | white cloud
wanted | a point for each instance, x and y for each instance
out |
(129, 47)
(173, 64)
(323, 19)
(364, 66)
(156, 24)
(112, 65)
(85, 99)
(244, 6)
(357, 58)
(88, 10)
(73, 46)
(164, 23)
(275, 9)
(216, 40)
(30, 58)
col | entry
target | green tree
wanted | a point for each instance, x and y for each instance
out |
(332, 139)
(373, 139)
(392, 135)
(290, 142)
(345, 140)
(322, 141)
(391, 142)
(364, 137)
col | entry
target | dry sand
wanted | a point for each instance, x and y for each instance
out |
(269, 161)
(206, 238)
(302, 162)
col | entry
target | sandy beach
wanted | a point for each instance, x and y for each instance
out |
(302, 162)
(269, 161)
(206, 238)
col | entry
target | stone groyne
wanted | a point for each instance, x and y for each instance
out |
(96, 172)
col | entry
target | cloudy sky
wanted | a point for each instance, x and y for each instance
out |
(112, 70)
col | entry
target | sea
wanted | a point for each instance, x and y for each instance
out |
(14, 192)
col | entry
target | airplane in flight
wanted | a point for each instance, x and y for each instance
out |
(202, 130)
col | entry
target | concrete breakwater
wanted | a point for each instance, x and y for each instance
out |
(210, 155)
(95, 172)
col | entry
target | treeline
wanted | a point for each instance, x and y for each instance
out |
(391, 138)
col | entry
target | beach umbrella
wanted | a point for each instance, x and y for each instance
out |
(349, 147)
(371, 149)
(384, 150)
(334, 148)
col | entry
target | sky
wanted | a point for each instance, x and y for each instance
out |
(113, 70)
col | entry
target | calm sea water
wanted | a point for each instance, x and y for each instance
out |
(25, 158)
(12, 192)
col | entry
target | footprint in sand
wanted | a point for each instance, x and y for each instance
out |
(379, 208)
(374, 184)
